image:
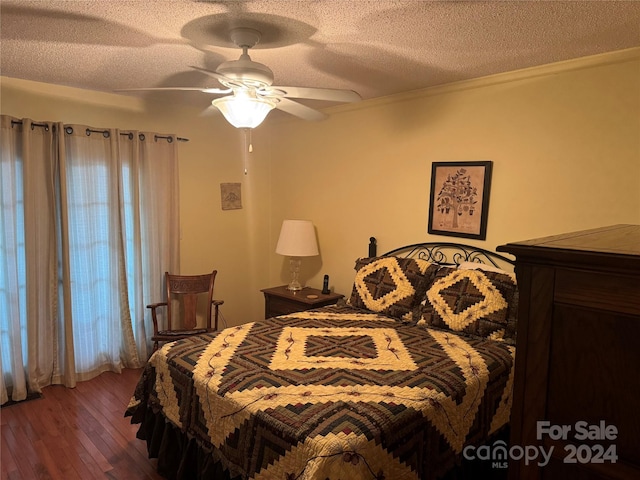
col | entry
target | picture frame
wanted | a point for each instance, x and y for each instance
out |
(459, 199)
(231, 196)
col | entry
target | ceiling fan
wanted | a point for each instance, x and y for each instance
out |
(249, 93)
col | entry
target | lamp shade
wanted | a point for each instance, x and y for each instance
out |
(243, 110)
(297, 239)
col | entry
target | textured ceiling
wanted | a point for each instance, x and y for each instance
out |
(376, 48)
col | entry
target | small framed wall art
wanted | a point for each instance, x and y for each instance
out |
(231, 196)
(459, 201)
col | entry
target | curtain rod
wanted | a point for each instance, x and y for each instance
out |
(33, 124)
(106, 133)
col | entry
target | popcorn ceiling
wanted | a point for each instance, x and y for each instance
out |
(376, 47)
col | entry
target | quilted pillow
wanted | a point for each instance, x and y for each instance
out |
(393, 286)
(476, 302)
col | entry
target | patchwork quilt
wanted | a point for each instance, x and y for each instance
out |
(333, 393)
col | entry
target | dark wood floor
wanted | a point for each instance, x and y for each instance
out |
(78, 433)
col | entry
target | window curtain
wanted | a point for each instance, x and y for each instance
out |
(89, 222)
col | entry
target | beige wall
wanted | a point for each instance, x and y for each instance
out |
(564, 140)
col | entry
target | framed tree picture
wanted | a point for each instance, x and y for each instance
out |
(459, 202)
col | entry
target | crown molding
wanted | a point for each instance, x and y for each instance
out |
(64, 92)
(620, 56)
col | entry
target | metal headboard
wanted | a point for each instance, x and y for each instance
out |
(444, 253)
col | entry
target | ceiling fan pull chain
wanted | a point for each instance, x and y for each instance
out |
(248, 148)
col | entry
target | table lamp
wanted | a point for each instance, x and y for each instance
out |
(297, 239)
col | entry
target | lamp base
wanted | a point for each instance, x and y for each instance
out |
(294, 268)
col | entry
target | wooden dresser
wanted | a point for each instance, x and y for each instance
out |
(577, 378)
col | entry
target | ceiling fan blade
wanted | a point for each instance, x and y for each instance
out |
(211, 73)
(299, 110)
(220, 91)
(210, 111)
(328, 94)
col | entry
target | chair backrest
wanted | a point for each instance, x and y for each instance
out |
(186, 290)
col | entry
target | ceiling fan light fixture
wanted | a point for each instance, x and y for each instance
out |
(244, 110)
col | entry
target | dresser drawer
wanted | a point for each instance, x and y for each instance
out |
(611, 292)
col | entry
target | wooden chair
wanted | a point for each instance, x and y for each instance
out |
(186, 291)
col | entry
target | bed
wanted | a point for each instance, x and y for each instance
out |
(393, 383)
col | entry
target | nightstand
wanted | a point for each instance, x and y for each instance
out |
(280, 301)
